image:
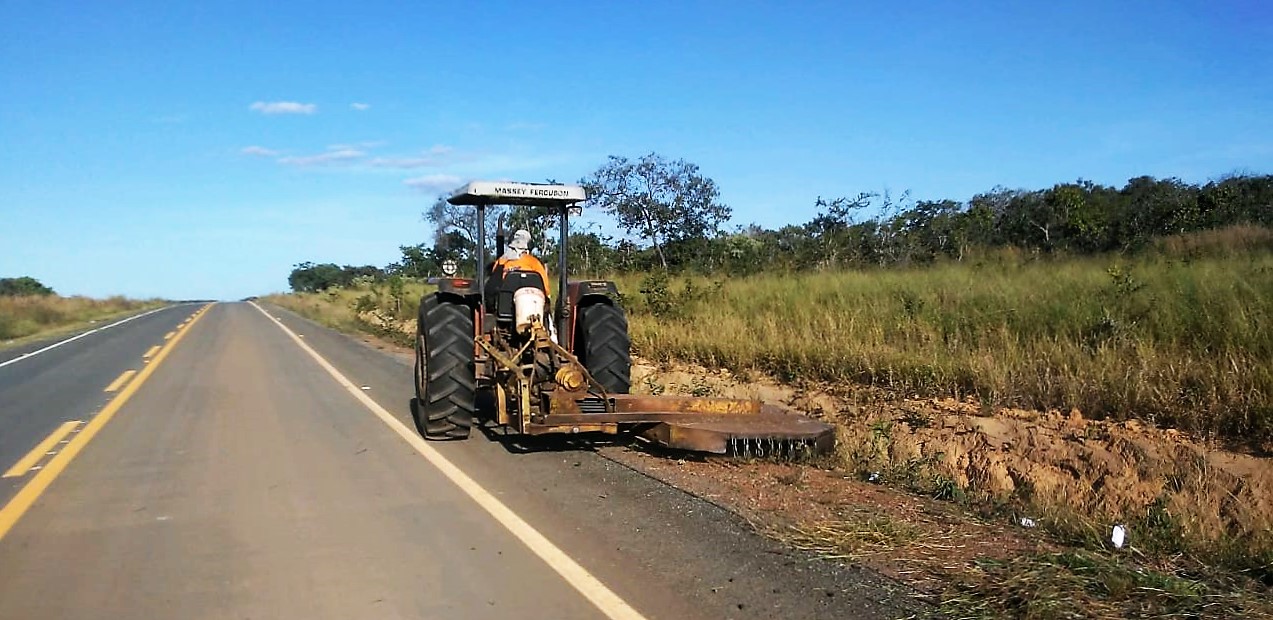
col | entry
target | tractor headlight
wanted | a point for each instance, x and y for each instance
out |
(449, 268)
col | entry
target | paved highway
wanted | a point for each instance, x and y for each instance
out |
(45, 385)
(256, 465)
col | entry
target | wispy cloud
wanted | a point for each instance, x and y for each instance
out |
(283, 107)
(339, 156)
(366, 144)
(434, 183)
(360, 107)
(434, 156)
(404, 163)
(258, 151)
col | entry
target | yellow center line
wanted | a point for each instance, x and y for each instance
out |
(26, 497)
(169, 335)
(41, 449)
(118, 383)
(151, 353)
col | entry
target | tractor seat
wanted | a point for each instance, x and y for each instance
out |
(502, 286)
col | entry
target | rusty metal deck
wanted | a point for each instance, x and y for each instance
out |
(716, 425)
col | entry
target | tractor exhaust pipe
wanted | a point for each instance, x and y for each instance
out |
(500, 237)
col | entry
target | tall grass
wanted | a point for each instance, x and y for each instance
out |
(32, 315)
(1182, 338)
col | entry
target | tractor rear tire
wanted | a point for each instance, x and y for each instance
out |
(607, 348)
(445, 384)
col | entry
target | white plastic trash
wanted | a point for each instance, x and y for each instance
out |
(528, 307)
(1118, 536)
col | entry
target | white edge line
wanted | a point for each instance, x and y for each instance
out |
(74, 338)
(577, 576)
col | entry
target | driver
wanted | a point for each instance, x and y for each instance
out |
(517, 257)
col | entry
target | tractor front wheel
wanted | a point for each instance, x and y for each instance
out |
(606, 347)
(445, 384)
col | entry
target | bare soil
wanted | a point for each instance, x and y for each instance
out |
(1021, 477)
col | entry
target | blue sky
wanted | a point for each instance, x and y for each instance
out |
(192, 150)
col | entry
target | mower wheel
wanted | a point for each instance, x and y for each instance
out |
(445, 384)
(606, 347)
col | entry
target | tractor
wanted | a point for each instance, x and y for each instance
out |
(557, 360)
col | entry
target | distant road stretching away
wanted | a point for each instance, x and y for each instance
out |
(236, 461)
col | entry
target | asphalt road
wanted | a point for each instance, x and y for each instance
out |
(245, 472)
(45, 384)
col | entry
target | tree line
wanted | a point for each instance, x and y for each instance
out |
(24, 286)
(672, 219)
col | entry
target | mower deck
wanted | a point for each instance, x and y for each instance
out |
(716, 425)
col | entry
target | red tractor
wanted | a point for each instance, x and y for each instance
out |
(561, 363)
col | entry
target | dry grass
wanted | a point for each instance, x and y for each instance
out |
(1182, 342)
(1087, 584)
(27, 316)
(851, 537)
(367, 308)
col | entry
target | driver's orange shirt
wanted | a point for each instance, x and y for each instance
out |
(526, 262)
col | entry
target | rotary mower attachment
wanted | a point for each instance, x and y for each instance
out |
(716, 425)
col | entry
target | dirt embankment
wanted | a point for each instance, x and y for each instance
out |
(1051, 463)
(1036, 496)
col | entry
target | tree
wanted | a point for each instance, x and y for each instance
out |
(418, 261)
(540, 222)
(310, 278)
(23, 286)
(662, 201)
(449, 219)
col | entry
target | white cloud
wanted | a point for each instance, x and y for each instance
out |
(259, 151)
(360, 107)
(434, 183)
(338, 156)
(283, 107)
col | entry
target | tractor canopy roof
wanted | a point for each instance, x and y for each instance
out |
(509, 193)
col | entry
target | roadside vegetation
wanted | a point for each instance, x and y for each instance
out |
(30, 309)
(1080, 355)
(1179, 336)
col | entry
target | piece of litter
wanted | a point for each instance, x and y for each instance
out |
(163, 518)
(874, 477)
(1118, 536)
(366, 387)
(1027, 522)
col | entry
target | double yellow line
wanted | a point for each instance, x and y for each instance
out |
(23, 500)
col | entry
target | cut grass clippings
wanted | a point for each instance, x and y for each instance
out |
(1090, 584)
